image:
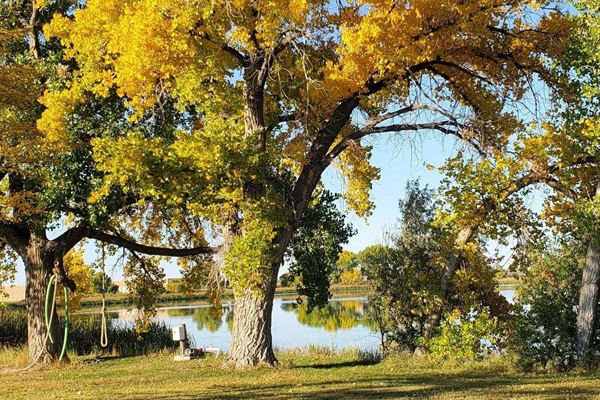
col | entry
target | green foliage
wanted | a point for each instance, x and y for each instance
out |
(404, 274)
(468, 337)
(102, 282)
(315, 248)
(547, 301)
(286, 279)
(248, 262)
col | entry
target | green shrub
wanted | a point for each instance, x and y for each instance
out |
(467, 338)
(547, 302)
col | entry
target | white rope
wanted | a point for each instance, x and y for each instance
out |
(43, 347)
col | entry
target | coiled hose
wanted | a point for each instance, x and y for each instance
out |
(49, 313)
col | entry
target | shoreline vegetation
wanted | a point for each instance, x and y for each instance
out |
(201, 297)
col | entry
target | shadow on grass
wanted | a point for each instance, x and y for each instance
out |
(100, 359)
(344, 364)
(433, 385)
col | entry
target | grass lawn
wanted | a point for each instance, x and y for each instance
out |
(302, 375)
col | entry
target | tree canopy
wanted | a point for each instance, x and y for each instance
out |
(225, 114)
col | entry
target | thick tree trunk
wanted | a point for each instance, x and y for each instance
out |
(588, 298)
(251, 339)
(588, 303)
(38, 269)
(252, 342)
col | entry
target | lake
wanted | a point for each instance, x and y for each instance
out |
(341, 324)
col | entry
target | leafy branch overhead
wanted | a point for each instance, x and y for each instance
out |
(187, 124)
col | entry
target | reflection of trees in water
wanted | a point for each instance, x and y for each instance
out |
(335, 315)
(209, 318)
(345, 314)
(180, 312)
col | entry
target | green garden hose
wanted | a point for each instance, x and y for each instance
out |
(49, 312)
(49, 309)
(63, 353)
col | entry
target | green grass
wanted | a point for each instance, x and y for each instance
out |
(302, 375)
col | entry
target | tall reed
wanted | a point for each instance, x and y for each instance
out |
(13, 326)
(84, 337)
(84, 334)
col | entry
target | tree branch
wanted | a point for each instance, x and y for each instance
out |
(441, 126)
(288, 117)
(150, 250)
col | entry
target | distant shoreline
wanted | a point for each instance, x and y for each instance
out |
(201, 297)
(121, 300)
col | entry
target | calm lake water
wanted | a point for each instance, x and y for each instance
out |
(342, 324)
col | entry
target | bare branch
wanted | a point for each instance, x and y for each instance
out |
(444, 127)
(371, 122)
(151, 250)
(288, 117)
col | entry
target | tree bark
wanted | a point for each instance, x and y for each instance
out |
(588, 299)
(251, 338)
(39, 262)
(588, 303)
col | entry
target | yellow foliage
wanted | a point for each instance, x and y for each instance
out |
(359, 175)
(350, 277)
(208, 57)
(81, 273)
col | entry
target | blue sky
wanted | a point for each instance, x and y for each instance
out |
(400, 160)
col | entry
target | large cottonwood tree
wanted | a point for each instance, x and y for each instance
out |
(275, 90)
(560, 155)
(45, 185)
(577, 201)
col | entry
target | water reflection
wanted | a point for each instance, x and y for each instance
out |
(206, 318)
(343, 314)
(342, 323)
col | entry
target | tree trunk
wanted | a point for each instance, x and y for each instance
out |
(38, 270)
(435, 314)
(588, 298)
(452, 264)
(588, 303)
(251, 338)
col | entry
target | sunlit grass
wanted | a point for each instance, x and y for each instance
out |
(303, 374)
(14, 357)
